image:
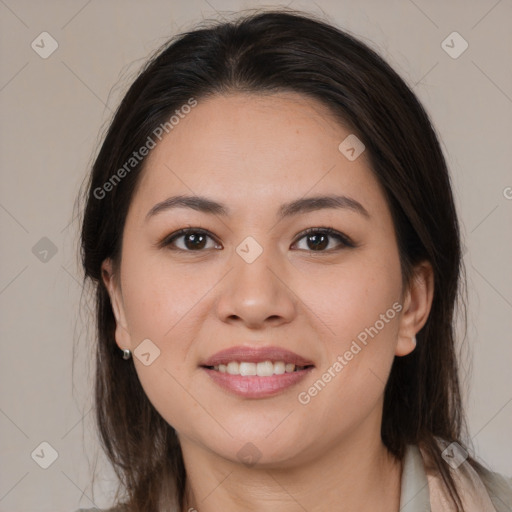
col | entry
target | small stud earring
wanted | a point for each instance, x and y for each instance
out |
(126, 353)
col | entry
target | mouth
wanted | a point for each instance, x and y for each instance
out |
(256, 372)
(261, 369)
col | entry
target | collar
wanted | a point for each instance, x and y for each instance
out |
(423, 490)
(414, 494)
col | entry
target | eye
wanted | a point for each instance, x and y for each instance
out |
(318, 239)
(194, 240)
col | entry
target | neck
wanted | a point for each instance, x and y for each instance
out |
(355, 475)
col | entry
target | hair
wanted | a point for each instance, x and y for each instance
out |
(265, 53)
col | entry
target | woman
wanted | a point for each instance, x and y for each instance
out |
(271, 233)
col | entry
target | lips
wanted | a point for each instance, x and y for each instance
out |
(256, 372)
(256, 355)
(255, 386)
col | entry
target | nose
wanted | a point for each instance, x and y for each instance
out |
(257, 294)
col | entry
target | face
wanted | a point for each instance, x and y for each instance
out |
(247, 275)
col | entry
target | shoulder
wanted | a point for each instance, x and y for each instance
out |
(94, 510)
(499, 488)
(114, 509)
(479, 488)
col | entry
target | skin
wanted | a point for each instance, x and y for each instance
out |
(253, 153)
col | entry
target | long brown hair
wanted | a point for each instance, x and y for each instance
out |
(268, 52)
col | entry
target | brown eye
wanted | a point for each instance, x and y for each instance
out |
(193, 240)
(318, 239)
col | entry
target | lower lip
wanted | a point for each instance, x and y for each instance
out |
(257, 387)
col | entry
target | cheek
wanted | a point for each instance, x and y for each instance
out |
(158, 296)
(167, 391)
(162, 304)
(352, 378)
(353, 297)
(361, 306)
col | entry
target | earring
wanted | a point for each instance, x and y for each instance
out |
(126, 353)
(414, 340)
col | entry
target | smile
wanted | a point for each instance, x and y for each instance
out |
(256, 372)
(256, 380)
(261, 369)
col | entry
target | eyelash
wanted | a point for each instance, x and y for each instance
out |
(331, 232)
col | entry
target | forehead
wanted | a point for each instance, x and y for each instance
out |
(255, 150)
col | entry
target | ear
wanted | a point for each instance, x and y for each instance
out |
(416, 307)
(110, 279)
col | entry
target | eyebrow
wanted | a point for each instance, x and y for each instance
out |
(299, 206)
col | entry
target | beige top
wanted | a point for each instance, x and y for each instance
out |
(422, 489)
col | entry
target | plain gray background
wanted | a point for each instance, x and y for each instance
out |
(53, 111)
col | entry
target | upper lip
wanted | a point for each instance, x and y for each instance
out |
(256, 355)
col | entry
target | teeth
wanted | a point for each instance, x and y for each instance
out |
(265, 369)
(232, 368)
(247, 368)
(279, 368)
(261, 369)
